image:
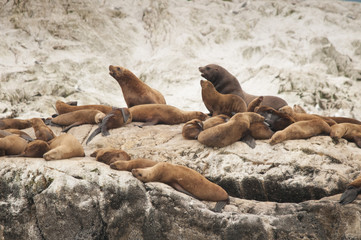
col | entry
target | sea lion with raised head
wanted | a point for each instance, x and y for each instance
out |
(42, 132)
(64, 146)
(218, 103)
(349, 131)
(192, 128)
(351, 192)
(109, 155)
(301, 130)
(6, 123)
(185, 180)
(132, 164)
(62, 107)
(226, 83)
(135, 91)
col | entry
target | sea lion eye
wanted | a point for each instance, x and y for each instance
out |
(207, 68)
(118, 68)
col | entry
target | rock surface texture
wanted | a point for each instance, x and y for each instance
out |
(286, 191)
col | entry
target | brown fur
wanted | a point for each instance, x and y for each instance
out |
(110, 155)
(63, 147)
(348, 131)
(298, 109)
(132, 164)
(277, 121)
(135, 91)
(192, 128)
(76, 118)
(62, 107)
(12, 145)
(304, 116)
(36, 148)
(218, 103)
(14, 123)
(301, 130)
(4, 133)
(214, 121)
(260, 130)
(117, 119)
(163, 114)
(42, 132)
(254, 103)
(229, 132)
(226, 83)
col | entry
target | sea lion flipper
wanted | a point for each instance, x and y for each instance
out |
(357, 140)
(249, 140)
(71, 126)
(220, 205)
(349, 195)
(96, 132)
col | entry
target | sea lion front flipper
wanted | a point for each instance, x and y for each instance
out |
(71, 126)
(349, 195)
(220, 205)
(96, 132)
(249, 140)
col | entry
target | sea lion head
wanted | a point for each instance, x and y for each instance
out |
(286, 110)
(210, 72)
(36, 148)
(140, 174)
(99, 117)
(117, 72)
(206, 84)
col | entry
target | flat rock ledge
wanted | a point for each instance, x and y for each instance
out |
(286, 191)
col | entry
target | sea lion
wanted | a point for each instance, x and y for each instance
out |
(351, 192)
(64, 146)
(254, 103)
(109, 155)
(42, 132)
(349, 131)
(218, 103)
(36, 149)
(4, 133)
(62, 107)
(226, 83)
(229, 132)
(214, 121)
(135, 91)
(298, 109)
(14, 123)
(77, 118)
(185, 180)
(260, 131)
(132, 164)
(304, 116)
(301, 130)
(276, 120)
(153, 114)
(22, 134)
(192, 128)
(12, 145)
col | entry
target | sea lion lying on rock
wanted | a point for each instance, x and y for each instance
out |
(62, 107)
(12, 145)
(109, 155)
(63, 147)
(14, 123)
(348, 131)
(132, 164)
(304, 116)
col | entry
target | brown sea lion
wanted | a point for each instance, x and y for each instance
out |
(229, 132)
(192, 128)
(349, 131)
(304, 116)
(109, 155)
(4, 133)
(226, 83)
(260, 131)
(132, 164)
(12, 145)
(214, 121)
(163, 114)
(301, 130)
(77, 118)
(135, 91)
(298, 109)
(62, 107)
(63, 147)
(218, 103)
(42, 132)
(254, 103)
(36, 149)
(14, 123)
(185, 180)
(276, 120)
(351, 192)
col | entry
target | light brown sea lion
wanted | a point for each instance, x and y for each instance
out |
(63, 147)
(132, 164)
(185, 180)
(304, 116)
(36, 149)
(76, 118)
(42, 132)
(260, 131)
(214, 121)
(192, 128)
(298, 109)
(12, 145)
(348, 131)
(218, 103)
(229, 132)
(14, 123)
(254, 103)
(109, 155)
(350, 194)
(301, 130)
(62, 107)
(163, 114)
(276, 120)
(226, 83)
(135, 91)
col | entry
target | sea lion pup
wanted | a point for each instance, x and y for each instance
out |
(304, 116)
(62, 107)
(76, 118)
(351, 192)
(64, 146)
(132, 164)
(229, 132)
(254, 103)
(214, 121)
(36, 149)
(6, 123)
(349, 131)
(109, 155)
(153, 114)
(135, 91)
(275, 119)
(12, 145)
(192, 128)
(42, 132)
(301, 130)
(218, 103)
(115, 119)
(226, 83)
(185, 180)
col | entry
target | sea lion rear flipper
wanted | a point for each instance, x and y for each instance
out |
(349, 195)
(96, 132)
(71, 126)
(249, 140)
(220, 205)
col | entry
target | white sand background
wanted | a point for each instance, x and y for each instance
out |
(308, 52)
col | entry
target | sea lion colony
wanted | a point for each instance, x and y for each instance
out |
(236, 116)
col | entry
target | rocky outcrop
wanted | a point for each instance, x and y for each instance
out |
(278, 192)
